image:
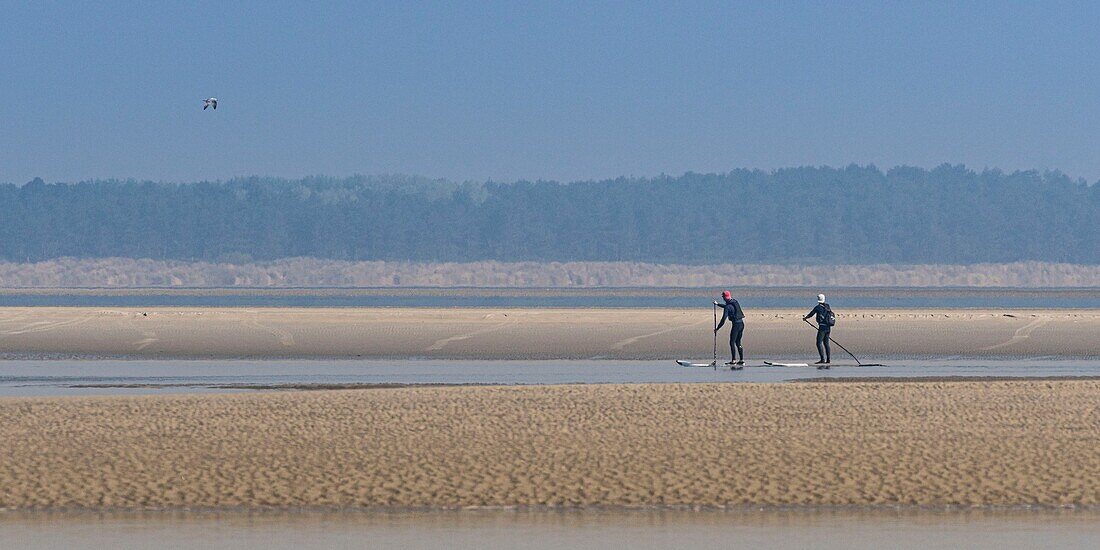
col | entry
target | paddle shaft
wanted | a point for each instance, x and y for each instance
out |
(715, 310)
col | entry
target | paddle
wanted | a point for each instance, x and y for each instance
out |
(715, 310)
(714, 363)
(846, 350)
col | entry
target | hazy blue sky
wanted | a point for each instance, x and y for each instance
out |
(562, 90)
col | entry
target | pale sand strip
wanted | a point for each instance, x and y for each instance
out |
(531, 333)
(934, 444)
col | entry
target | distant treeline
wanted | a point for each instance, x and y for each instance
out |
(854, 215)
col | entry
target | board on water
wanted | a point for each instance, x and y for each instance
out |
(776, 364)
(683, 363)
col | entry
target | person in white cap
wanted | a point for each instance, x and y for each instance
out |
(825, 321)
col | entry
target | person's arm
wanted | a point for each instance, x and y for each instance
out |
(721, 321)
(811, 313)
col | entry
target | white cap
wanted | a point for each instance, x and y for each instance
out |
(821, 298)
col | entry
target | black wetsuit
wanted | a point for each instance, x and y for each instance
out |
(732, 311)
(823, 328)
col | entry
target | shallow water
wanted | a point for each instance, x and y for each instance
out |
(558, 529)
(80, 377)
(794, 298)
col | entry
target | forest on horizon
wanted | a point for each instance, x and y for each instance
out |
(852, 215)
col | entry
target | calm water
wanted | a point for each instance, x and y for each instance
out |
(828, 529)
(25, 378)
(650, 298)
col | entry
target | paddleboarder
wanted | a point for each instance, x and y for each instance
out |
(731, 310)
(825, 321)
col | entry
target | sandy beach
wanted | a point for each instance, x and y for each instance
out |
(916, 443)
(476, 333)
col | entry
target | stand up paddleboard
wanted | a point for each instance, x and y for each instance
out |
(715, 366)
(683, 363)
(775, 364)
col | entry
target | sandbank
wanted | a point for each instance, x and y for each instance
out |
(1011, 443)
(536, 333)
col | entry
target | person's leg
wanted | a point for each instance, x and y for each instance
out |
(740, 328)
(827, 350)
(821, 337)
(733, 342)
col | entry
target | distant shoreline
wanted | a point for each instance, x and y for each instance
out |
(1009, 301)
(542, 291)
(323, 273)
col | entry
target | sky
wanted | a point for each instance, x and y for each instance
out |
(532, 90)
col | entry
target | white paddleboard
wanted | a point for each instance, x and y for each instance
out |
(774, 364)
(683, 363)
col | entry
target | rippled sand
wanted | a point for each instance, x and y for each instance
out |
(944, 443)
(531, 333)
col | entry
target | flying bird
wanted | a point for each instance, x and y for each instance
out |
(212, 102)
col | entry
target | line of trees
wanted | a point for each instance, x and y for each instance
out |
(852, 215)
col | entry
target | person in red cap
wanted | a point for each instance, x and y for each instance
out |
(732, 310)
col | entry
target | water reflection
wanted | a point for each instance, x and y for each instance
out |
(47, 377)
(742, 528)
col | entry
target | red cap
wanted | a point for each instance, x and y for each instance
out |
(726, 294)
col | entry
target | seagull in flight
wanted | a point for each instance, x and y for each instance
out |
(212, 102)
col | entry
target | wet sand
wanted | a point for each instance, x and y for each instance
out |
(865, 444)
(483, 333)
(843, 529)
